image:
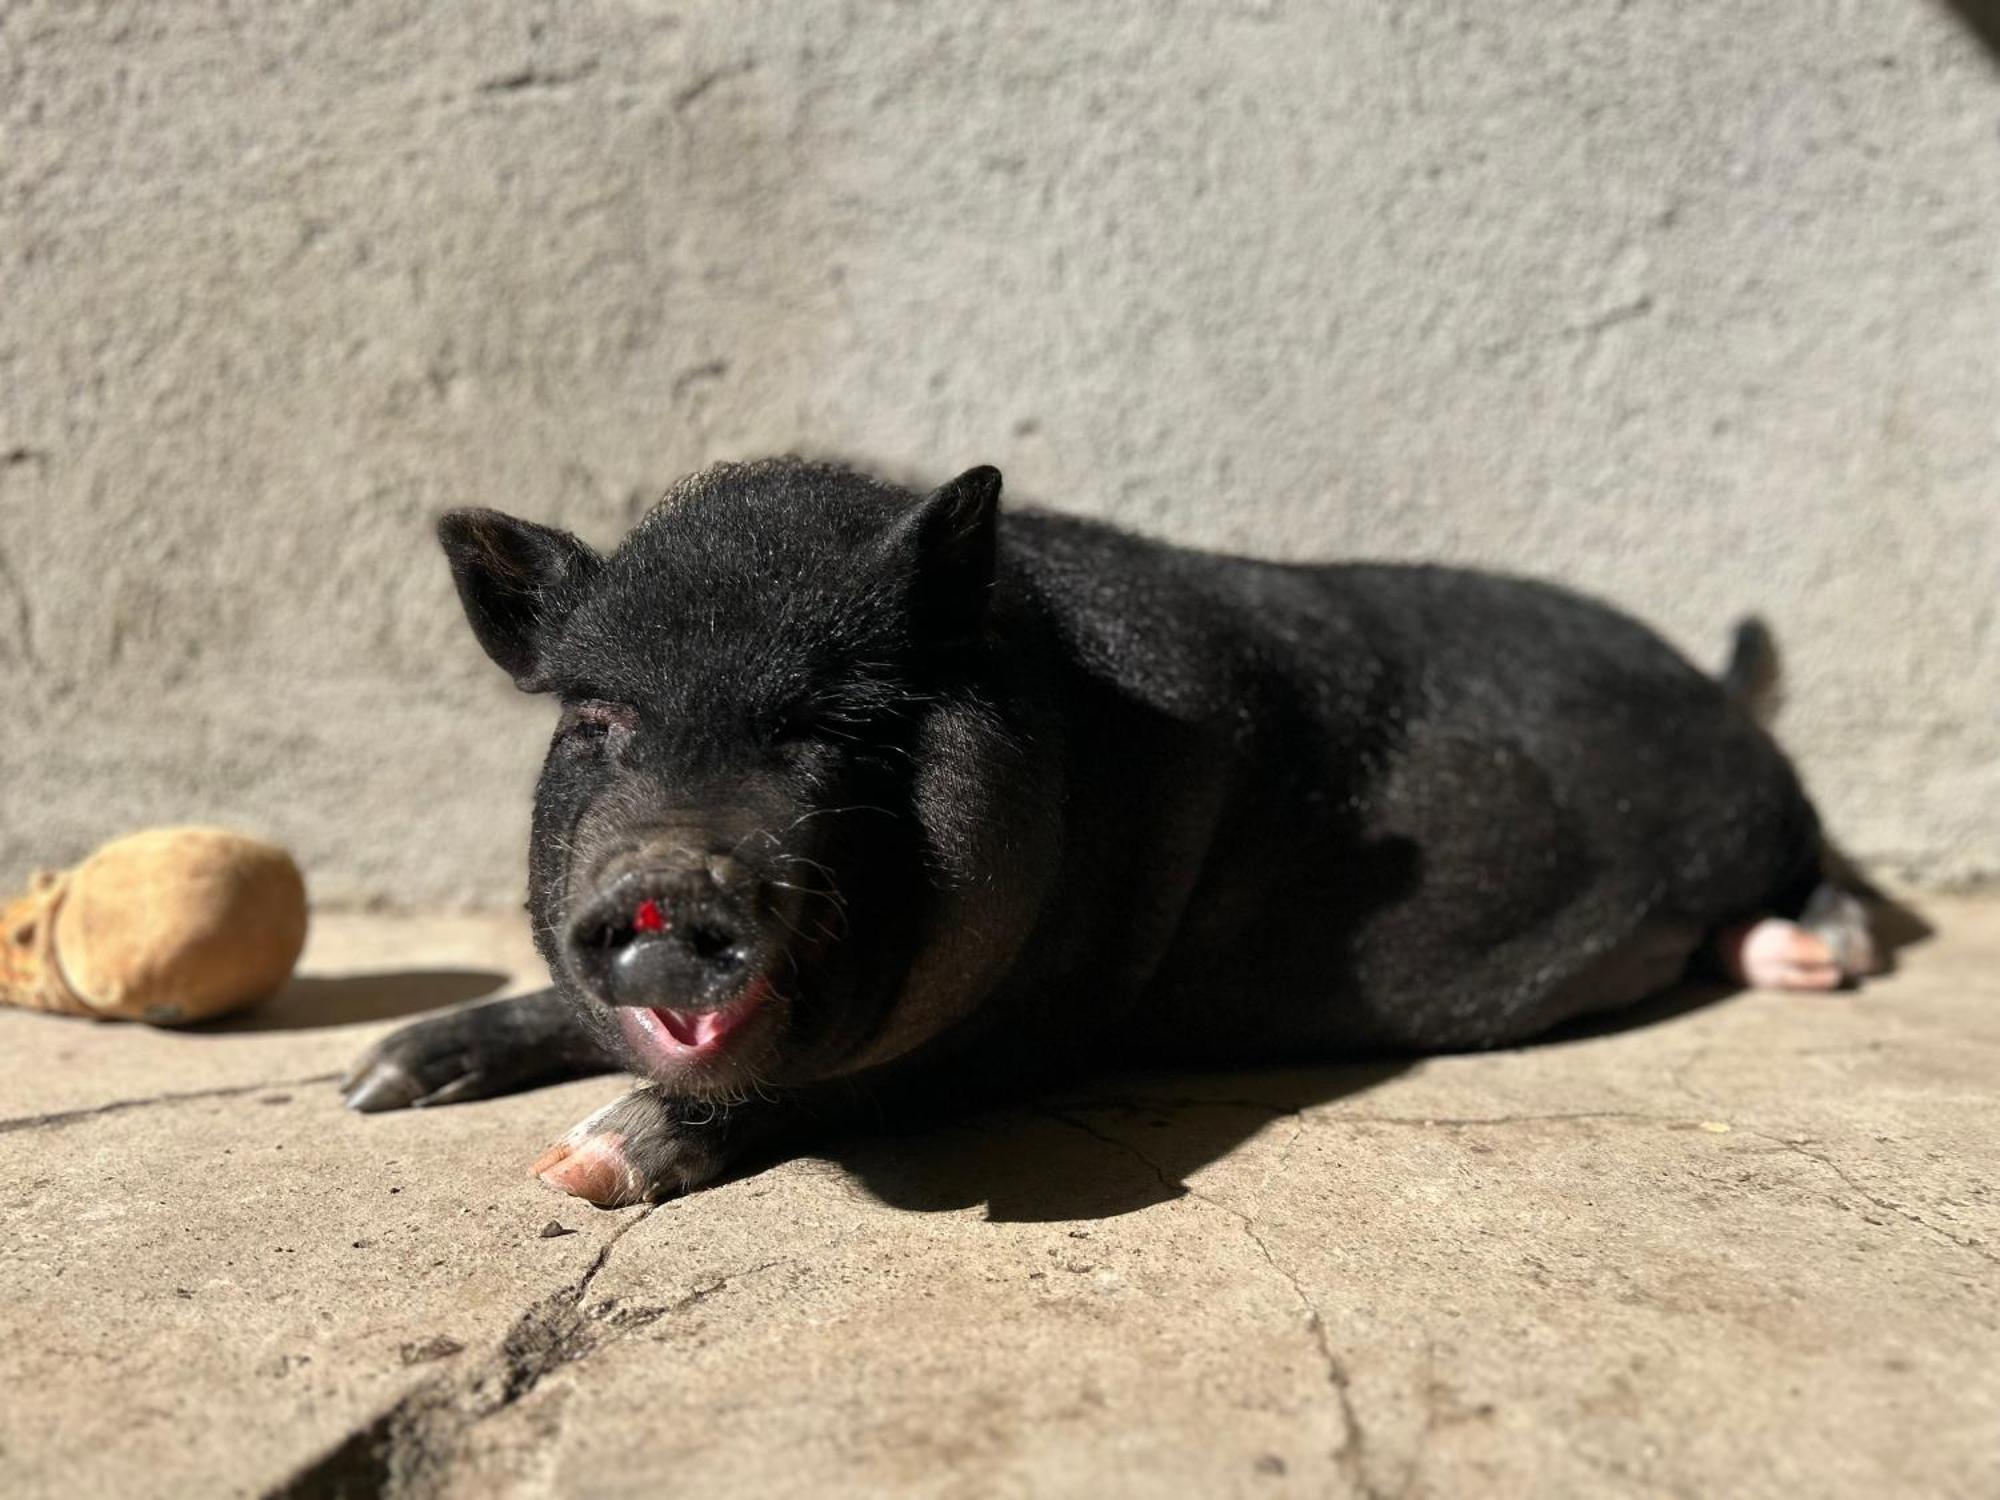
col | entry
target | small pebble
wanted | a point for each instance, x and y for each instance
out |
(553, 1230)
(1713, 1127)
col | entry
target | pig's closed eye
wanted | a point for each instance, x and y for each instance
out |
(592, 719)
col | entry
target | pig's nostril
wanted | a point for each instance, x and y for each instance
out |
(712, 944)
(707, 940)
(604, 937)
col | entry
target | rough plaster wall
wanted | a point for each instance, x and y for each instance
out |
(1687, 302)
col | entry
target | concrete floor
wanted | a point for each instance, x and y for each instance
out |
(1750, 1249)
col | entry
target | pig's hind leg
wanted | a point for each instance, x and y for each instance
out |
(475, 1052)
(1827, 947)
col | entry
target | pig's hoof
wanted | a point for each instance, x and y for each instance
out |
(1828, 947)
(441, 1059)
(1776, 954)
(594, 1169)
(1839, 919)
(634, 1150)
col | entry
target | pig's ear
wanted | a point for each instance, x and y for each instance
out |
(948, 539)
(517, 581)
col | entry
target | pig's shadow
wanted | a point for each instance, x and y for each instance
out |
(315, 1000)
(1113, 1148)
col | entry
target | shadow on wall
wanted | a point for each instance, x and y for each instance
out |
(1982, 17)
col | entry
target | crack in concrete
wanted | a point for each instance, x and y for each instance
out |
(59, 1118)
(1634, 1117)
(1284, 1157)
(1441, 1122)
(1799, 1148)
(413, 1448)
(699, 374)
(1174, 1186)
(1152, 1101)
(1420, 1449)
(24, 610)
(629, 1318)
(1442, 1410)
(1351, 1455)
(1467, 1122)
(1625, 312)
(535, 78)
(692, 94)
(1587, 331)
(1678, 1078)
(410, 1448)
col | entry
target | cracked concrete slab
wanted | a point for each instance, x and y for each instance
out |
(1746, 1247)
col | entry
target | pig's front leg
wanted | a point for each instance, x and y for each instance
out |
(648, 1146)
(475, 1052)
(645, 1147)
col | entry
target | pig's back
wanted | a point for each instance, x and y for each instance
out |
(1377, 803)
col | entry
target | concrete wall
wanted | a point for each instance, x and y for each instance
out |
(1691, 303)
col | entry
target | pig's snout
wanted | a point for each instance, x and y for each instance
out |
(683, 934)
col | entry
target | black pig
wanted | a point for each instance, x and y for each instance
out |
(860, 796)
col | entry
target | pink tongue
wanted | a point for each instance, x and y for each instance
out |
(690, 1028)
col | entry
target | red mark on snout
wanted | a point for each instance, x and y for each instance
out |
(649, 917)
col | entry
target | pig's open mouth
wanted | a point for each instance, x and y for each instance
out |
(660, 1034)
(685, 965)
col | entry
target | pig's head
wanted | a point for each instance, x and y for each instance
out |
(789, 826)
